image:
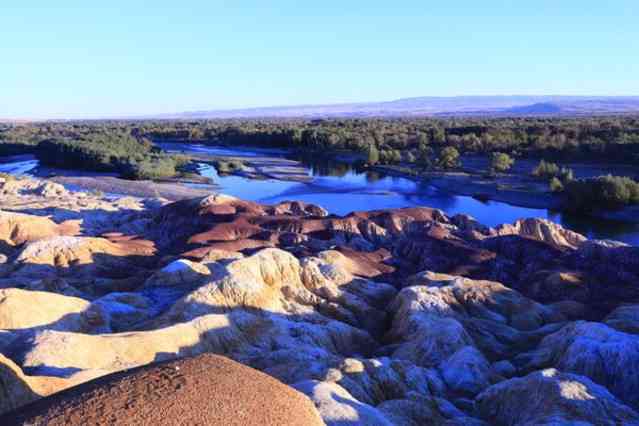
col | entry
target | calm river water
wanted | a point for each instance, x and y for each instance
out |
(341, 189)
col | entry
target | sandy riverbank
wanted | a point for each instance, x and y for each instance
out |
(172, 191)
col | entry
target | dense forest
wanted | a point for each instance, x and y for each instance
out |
(612, 139)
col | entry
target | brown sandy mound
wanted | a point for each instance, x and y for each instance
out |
(204, 390)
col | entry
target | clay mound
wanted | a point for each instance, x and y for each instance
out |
(204, 390)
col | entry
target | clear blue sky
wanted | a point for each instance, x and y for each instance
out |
(73, 58)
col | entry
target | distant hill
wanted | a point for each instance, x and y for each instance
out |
(438, 106)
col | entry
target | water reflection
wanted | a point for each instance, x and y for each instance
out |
(18, 165)
(342, 188)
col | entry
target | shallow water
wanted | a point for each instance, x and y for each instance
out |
(345, 191)
(18, 165)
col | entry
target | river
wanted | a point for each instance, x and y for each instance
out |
(341, 189)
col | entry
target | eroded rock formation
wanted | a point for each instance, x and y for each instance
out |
(385, 317)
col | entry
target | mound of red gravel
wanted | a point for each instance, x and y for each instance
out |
(203, 390)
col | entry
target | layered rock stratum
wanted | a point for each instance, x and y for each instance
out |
(390, 317)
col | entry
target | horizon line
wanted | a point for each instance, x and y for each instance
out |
(172, 115)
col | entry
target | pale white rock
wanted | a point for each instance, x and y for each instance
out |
(23, 309)
(433, 341)
(51, 189)
(551, 397)
(268, 280)
(543, 230)
(338, 408)
(117, 312)
(217, 255)
(215, 199)
(179, 272)
(597, 351)
(431, 323)
(332, 281)
(376, 380)
(56, 352)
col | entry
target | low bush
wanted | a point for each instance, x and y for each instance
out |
(556, 185)
(549, 170)
(448, 158)
(228, 166)
(500, 162)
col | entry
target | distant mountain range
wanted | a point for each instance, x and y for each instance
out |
(438, 106)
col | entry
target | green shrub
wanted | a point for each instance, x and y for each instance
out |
(424, 158)
(603, 192)
(566, 174)
(390, 156)
(500, 162)
(448, 158)
(546, 170)
(151, 168)
(228, 166)
(556, 185)
(409, 157)
(372, 155)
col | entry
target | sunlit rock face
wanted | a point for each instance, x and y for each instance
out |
(400, 316)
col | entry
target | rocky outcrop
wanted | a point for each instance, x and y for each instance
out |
(403, 316)
(543, 230)
(55, 353)
(276, 281)
(607, 356)
(179, 272)
(207, 390)
(18, 228)
(95, 266)
(117, 312)
(76, 211)
(22, 309)
(18, 389)
(553, 397)
(14, 388)
(624, 318)
(432, 323)
(338, 407)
